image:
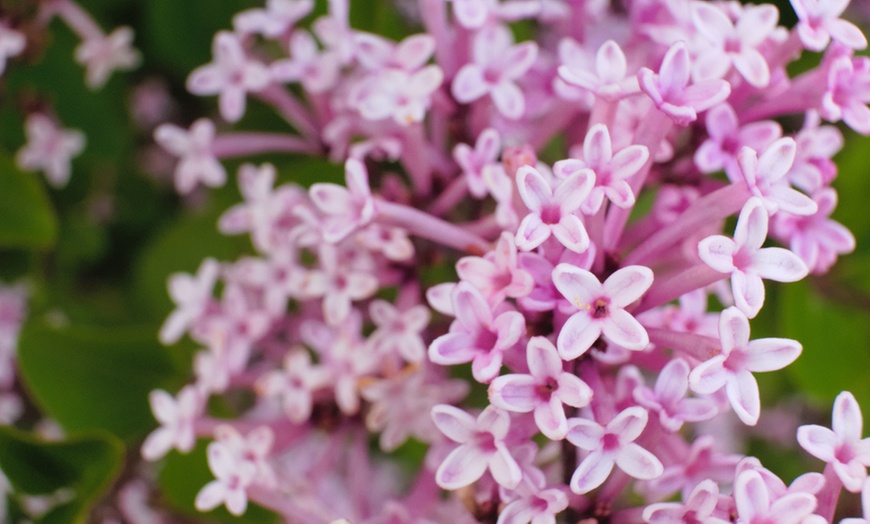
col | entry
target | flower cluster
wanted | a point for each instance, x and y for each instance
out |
(604, 337)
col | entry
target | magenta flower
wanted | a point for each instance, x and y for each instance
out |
(232, 75)
(49, 149)
(347, 208)
(177, 417)
(766, 178)
(191, 296)
(747, 262)
(727, 137)
(734, 43)
(543, 390)
(668, 399)
(670, 90)
(611, 170)
(739, 359)
(496, 67)
(601, 308)
(194, 149)
(611, 445)
(474, 161)
(482, 447)
(553, 212)
(842, 446)
(103, 54)
(755, 503)
(699, 507)
(477, 335)
(819, 21)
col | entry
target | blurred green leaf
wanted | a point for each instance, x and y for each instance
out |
(86, 465)
(181, 478)
(26, 216)
(96, 377)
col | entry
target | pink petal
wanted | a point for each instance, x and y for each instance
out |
(776, 263)
(675, 69)
(597, 147)
(748, 291)
(629, 423)
(211, 496)
(771, 354)
(793, 507)
(577, 336)
(486, 366)
(469, 84)
(452, 349)
(584, 434)
(777, 159)
(621, 328)
(550, 419)
(532, 232)
(573, 391)
(534, 190)
(742, 390)
(610, 63)
(463, 466)
(573, 190)
(470, 13)
(733, 330)
(818, 441)
(571, 233)
(711, 22)
(517, 393)
(753, 67)
(751, 495)
(332, 199)
(792, 201)
(673, 381)
(591, 473)
(628, 161)
(456, 424)
(509, 100)
(414, 51)
(846, 418)
(578, 286)
(544, 361)
(472, 310)
(846, 33)
(709, 376)
(638, 462)
(718, 251)
(752, 226)
(519, 59)
(627, 285)
(852, 475)
(158, 443)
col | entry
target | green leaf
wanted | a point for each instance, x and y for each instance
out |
(26, 216)
(181, 478)
(95, 377)
(87, 465)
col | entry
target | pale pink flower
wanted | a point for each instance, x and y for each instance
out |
(474, 161)
(698, 507)
(317, 71)
(12, 43)
(177, 417)
(399, 332)
(231, 76)
(609, 81)
(848, 93)
(49, 149)
(747, 262)
(755, 503)
(233, 477)
(842, 446)
(278, 18)
(482, 447)
(497, 274)
(194, 149)
(346, 208)
(727, 137)
(701, 461)
(766, 177)
(740, 357)
(611, 445)
(497, 64)
(337, 284)
(377, 53)
(819, 21)
(105, 53)
(252, 448)
(668, 399)
(191, 294)
(601, 308)
(398, 95)
(295, 384)
(543, 390)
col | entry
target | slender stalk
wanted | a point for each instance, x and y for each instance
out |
(244, 144)
(426, 226)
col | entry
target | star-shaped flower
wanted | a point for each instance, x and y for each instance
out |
(49, 149)
(106, 53)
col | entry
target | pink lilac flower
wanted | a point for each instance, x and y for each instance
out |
(819, 21)
(194, 149)
(497, 274)
(191, 296)
(848, 93)
(766, 177)
(481, 447)
(399, 332)
(733, 43)
(410, 55)
(232, 75)
(609, 81)
(474, 161)
(611, 445)
(338, 285)
(49, 149)
(497, 64)
(699, 506)
(668, 399)
(543, 390)
(842, 446)
(552, 212)
(670, 90)
(747, 262)
(252, 448)
(478, 335)
(278, 18)
(727, 137)
(601, 308)
(347, 208)
(401, 96)
(103, 54)
(177, 417)
(700, 461)
(317, 71)
(816, 239)
(740, 357)
(610, 169)
(233, 477)
(755, 503)
(12, 43)
(295, 384)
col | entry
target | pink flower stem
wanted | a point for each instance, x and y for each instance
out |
(558, 119)
(75, 17)
(830, 492)
(426, 226)
(627, 516)
(486, 227)
(279, 502)
(672, 286)
(244, 144)
(434, 16)
(290, 108)
(595, 229)
(416, 159)
(450, 197)
(710, 208)
(650, 133)
(603, 112)
(699, 347)
(804, 93)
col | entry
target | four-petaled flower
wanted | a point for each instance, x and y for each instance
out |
(177, 417)
(669, 400)
(543, 391)
(104, 53)
(819, 21)
(49, 149)
(601, 308)
(611, 445)
(194, 149)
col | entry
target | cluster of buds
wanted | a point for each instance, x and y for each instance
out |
(605, 337)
